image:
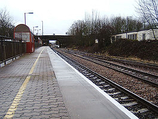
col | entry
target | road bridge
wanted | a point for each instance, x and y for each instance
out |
(63, 40)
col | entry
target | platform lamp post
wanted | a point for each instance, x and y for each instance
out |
(25, 15)
(42, 28)
(38, 31)
(34, 28)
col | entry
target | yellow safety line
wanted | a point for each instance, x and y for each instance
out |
(17, 98)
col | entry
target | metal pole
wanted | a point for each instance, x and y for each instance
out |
(25, 18)
(25, 15)
(42, 28)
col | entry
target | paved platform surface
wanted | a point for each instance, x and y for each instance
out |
(41, 98)
(42, 86)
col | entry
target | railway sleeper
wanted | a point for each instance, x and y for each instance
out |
(106, 86)
(129, 104)
(143, 110)
(98, 80)
(88, 74)
(115, 93)
(136, 108)
(111, 90)
(101, 87)
(126, 100)
(125, 97)
(91, 76)
(94, 78)
(83, 70)
(101, 83)
(120, 96)
(85, 74)
(108, 91)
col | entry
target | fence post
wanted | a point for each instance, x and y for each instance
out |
(12, 51)
(20, 47)
(15, 49)
(4, 51)
(1, 45)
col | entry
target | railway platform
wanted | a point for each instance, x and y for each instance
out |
(41, 85)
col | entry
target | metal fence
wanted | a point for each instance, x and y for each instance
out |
(10, 49)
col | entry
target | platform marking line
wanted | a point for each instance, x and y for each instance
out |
(18, 97)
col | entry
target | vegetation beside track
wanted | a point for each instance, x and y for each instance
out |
(145, 50)
(128, 49)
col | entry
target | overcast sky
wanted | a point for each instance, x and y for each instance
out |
(59, 15)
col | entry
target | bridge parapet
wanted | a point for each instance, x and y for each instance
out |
(63, 40)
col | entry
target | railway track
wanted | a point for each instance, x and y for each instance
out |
(140, 107)
(149, 66)
(147, 77)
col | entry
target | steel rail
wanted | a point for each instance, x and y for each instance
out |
(100, 62)
(124, 61)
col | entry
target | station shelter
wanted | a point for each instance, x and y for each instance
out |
(23, 33)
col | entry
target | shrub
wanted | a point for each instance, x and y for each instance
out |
(147, 50)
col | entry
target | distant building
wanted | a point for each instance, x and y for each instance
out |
(140, 35)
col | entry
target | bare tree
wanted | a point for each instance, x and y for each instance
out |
(6, 26)
(94, 27)
(149, 11)
(119, 24)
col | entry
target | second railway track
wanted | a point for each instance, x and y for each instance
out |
(147, 77)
